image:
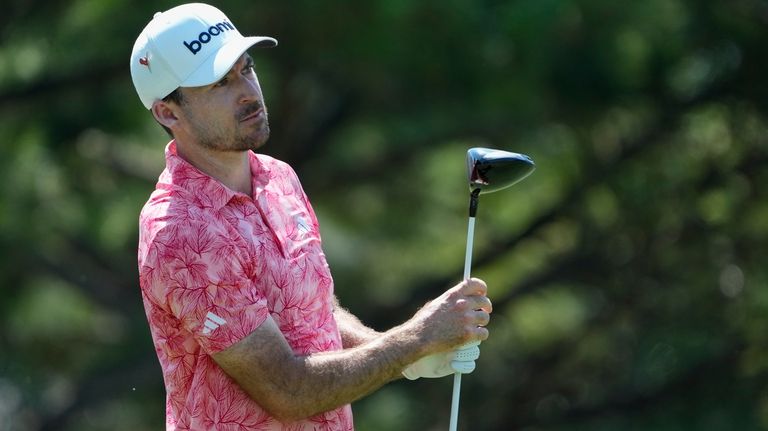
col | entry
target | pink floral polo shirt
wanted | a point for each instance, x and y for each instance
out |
(213, 263)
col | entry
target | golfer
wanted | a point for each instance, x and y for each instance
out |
(237, 291)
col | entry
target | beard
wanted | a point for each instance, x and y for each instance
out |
(237, 138)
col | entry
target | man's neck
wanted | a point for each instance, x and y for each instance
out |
(231, 168)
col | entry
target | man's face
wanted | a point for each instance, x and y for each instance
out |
(229, 115)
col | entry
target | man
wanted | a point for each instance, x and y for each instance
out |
(235, 285)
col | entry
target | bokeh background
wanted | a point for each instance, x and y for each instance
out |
(628, 272)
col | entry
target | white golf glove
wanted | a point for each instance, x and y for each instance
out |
(461, 360)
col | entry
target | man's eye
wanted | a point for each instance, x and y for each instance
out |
(248, 68)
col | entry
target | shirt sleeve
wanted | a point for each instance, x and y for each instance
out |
(202, 276)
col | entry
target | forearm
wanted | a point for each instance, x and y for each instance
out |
(328, 380)
(294, 387)
(353, 331)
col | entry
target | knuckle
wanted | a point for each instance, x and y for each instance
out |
(468, 320)
(461, 305)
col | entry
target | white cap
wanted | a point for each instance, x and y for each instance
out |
(188, 46)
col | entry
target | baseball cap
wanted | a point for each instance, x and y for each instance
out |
(189, 45)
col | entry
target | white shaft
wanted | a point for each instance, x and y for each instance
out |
(455, 402)
(470, 240)
(457, 376)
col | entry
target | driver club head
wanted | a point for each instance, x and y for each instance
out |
(492, 170)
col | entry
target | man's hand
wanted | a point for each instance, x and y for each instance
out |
(456, 318)
(461, 360)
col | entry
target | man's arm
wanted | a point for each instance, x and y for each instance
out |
(294, 387)
(353, 331)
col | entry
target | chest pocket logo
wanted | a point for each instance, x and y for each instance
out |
(302, 224)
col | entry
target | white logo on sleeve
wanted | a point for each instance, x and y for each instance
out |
(212, 322)
(302, 225)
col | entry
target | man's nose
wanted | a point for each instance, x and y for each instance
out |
(250, 91)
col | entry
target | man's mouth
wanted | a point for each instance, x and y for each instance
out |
(251, 115)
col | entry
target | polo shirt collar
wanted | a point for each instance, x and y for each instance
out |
(206, 189)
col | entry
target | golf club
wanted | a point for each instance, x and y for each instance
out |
(488, 171)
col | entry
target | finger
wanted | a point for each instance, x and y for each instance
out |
(474, 286)
(469, 345)
(466, 354)
(481, 318)
(483, 303)
(463, 367)
(481, 333)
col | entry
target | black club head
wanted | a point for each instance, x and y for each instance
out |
(490, 170)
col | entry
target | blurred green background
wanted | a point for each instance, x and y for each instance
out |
(625, 272)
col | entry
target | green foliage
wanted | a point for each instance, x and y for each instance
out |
(627, 272)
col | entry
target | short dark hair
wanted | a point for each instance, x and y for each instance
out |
(177, 98)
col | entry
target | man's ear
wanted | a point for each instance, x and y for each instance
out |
(165, 113)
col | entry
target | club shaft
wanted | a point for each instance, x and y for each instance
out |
(470, 241)
(455, 402)
(457, 376)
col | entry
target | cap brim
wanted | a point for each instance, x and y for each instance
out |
(219, 63)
